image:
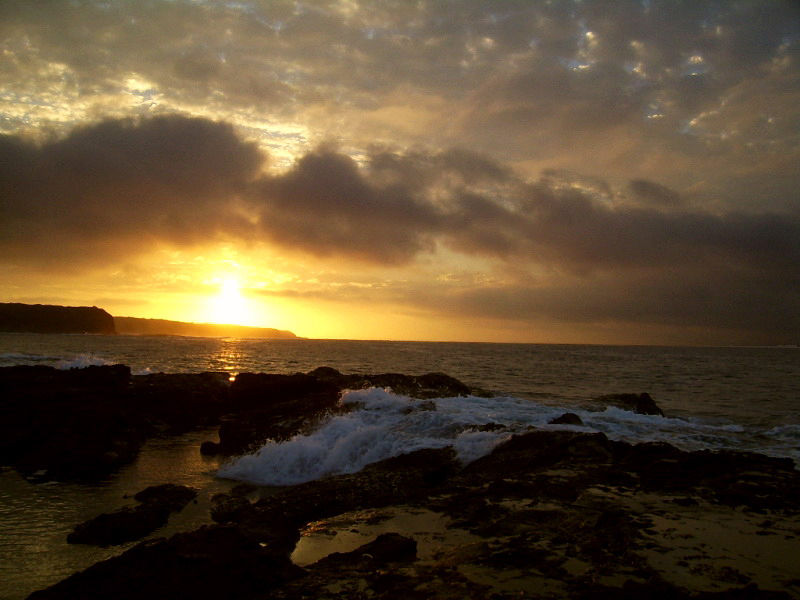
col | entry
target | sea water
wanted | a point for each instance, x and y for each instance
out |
(713, 398)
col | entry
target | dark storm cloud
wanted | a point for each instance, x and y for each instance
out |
(580, 251)
(120, 187)
(324, 205)
(180, 180)
(599, 257)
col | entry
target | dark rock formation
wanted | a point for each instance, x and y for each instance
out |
(430, 385)
(45, 318)
(212, 562)
(394, 480)
(385, 549)
(82, 424)
(277, 407)
(128, 524)
(567, 418)
(85, 423)
(272, 407)
(641, 404)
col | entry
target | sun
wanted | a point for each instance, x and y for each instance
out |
(230, 306)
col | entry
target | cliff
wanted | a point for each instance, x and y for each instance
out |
(45, 318)
(136, 326)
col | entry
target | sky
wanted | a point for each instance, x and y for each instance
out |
(596, 171)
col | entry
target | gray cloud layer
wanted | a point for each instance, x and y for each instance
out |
(699, 95)
(116, 187)
(581, 251)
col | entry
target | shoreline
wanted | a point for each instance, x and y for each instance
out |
(546, 514)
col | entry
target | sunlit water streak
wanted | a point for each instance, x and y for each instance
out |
(742, 398)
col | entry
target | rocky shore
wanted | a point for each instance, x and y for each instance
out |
(548, 514)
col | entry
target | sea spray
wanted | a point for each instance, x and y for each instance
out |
(81, 361)
(381, 424)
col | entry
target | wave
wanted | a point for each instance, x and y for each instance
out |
(382, 425)
(81, 361)
(21, 358)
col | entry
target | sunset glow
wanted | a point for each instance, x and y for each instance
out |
(229, 305)
(581, 172)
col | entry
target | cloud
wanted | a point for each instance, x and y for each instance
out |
(327, 207)
(658, 90)
(573, 248)
(182, 181)
(112, 189)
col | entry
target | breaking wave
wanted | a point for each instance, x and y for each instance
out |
(81, 361)
(381, 425)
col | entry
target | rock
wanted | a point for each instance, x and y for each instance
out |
(538, 450)
(273, 407)
(128, 524)
(641, 404)
(428, 386)
(395, 480)
(209, 448)
(384, 549)
(174, 403)
(278, 407)
(82, 424)
(243, 489)
(119, 527)
(212, 562)
(229, 509)
(171, 496)
(567, 418)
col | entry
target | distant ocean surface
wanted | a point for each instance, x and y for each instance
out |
(713, 398)
(737, 398)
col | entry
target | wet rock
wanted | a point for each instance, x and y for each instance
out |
(487, 427)
(169, 495)
(212, 562)
(748, 592)
(537, 451)
(175, 403)
(399, 479)
(209, 448)
(227, 508)
(641, 404)
(82, 424)
(732, 478)
(567, 418)
(386, 548)
(428, 386)
(273, 407)
(128, 524)
(243, 489)
(119, 527)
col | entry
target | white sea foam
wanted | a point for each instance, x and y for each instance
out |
(22, 358)
(383, 424)
(81, 361)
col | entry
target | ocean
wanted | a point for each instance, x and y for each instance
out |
(713, 398)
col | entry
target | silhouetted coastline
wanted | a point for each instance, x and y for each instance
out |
(137, 326)
(47, 318)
